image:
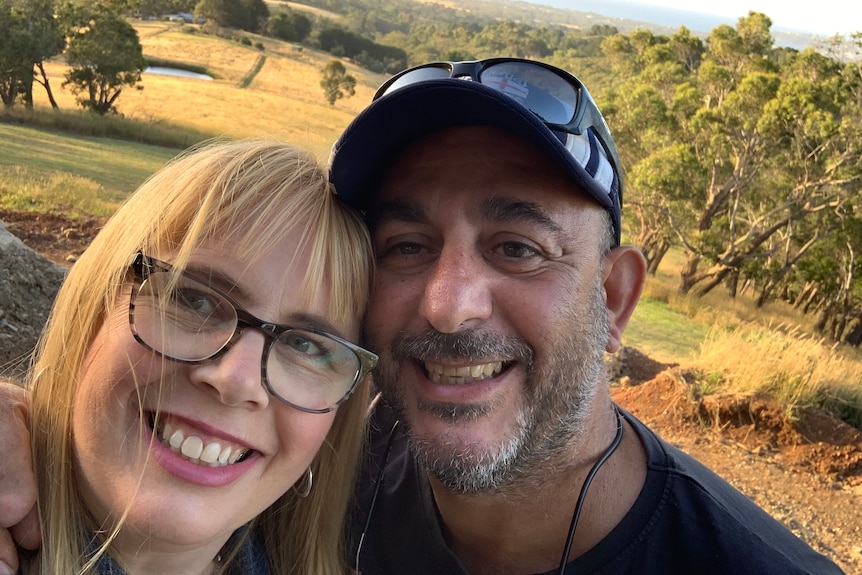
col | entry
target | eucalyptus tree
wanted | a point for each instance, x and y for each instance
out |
(104, 55)
(15, 65)
(31, 35)
(744, 163)
(336, 82)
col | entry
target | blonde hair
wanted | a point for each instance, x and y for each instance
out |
(253, 192)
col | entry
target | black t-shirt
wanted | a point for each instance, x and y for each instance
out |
(686, 520)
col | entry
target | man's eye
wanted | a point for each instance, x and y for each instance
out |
(401, 249)
(406, 249)
(516, 250)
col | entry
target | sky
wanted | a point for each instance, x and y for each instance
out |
(825, 17)
(822, 17)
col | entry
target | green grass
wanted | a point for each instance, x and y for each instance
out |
(114, 126)
(662, 332)
(42, 169)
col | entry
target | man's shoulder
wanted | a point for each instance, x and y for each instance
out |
(688, 504)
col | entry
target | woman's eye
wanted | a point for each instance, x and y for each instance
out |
(196, 300)
(303, 345)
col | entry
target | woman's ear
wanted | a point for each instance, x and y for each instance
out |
(623, 276)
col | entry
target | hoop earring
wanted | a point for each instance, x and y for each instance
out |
(309, 481)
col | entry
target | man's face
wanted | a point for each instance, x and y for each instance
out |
(489, 311)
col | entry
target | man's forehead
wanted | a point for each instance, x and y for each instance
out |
(470, 144)
(475, 165)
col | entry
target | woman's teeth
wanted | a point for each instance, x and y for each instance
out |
(194, 449)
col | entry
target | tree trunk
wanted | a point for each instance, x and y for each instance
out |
(656, 254)
(822, 320)
(763, 295)
(47, 85)
(733, 284)
(714, 281)
(687, 273)
(853, 336)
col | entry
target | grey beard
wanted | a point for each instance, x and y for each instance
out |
(558, 399)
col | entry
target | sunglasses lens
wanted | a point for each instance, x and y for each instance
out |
(413, 76)
(549, 96)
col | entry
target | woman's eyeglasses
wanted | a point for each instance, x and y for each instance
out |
(183, 318)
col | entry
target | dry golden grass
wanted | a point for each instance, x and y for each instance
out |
(227, 61)
(796, 369)
(307, 9)
(283, 100)
(764, 351)
(717, 306)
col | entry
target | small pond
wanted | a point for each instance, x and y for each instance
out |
(163, 71)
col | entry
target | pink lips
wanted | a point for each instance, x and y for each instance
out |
(195, 473)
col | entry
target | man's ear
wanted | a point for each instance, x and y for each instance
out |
(623, 276)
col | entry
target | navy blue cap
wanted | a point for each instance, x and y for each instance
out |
(375, 138)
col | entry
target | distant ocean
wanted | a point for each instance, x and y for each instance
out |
(695, 21)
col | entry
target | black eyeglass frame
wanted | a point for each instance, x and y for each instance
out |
(586, 113)
(143, 265)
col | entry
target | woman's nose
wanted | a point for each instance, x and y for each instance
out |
(235, 377)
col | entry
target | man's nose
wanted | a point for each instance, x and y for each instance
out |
(457, 293)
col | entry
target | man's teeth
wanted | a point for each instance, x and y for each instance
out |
(192, 448)
(468, 374)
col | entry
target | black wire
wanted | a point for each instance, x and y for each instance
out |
(593, 470)
(578, 506)
(376, 491)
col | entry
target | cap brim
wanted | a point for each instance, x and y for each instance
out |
(378, 134)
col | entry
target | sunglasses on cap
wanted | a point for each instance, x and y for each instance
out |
(559, 99)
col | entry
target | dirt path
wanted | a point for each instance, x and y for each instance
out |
(805, 472)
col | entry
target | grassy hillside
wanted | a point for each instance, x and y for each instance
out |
(282, 100)
(44, 170)
(270, 93)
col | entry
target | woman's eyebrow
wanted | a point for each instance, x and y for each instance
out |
(228, 285)
(304, 320)
(217, 279)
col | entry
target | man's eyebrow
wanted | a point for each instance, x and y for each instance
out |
(503, 209)
(400, 210)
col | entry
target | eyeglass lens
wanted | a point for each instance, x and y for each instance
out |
(185, 320)
(540, 90)
(546, 94)
(418, 75)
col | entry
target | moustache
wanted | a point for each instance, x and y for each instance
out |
(465, 346)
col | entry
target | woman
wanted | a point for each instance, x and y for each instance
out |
(169, 422)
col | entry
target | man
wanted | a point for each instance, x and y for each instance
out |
(493, 191)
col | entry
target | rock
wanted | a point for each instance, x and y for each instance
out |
(28, 285)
